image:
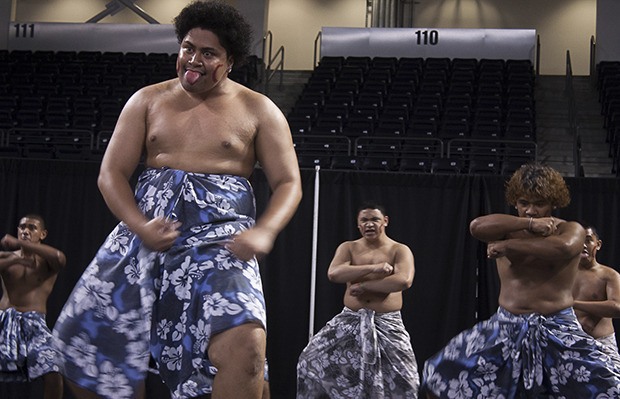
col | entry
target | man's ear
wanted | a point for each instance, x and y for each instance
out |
(386, 219)
(43, 234)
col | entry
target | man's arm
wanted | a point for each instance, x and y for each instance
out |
(8, 258)
(54, 258)
(499, 226)
(119, 163)
(276, 154)
(565, 244)
(496, 226)
(611, 306)
(341, 271)
(399, 280)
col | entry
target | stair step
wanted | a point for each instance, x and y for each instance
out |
(554, 136)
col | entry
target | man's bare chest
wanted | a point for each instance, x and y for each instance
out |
(199, 132)
(372, 257)
(590, 287)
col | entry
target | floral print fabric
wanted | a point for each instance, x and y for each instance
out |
(610, 346)
(26, 350)
(132, 303)
(523, 356)
(359, 354)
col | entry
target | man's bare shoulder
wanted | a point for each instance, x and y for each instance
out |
(569, 224)
(260, 105)
(156, 90)
(401, 247)
(607, 272)
(351, 243)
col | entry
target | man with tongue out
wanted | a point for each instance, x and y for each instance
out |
(178, 278)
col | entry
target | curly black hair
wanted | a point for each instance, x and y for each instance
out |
(225, 21)
(537, 180)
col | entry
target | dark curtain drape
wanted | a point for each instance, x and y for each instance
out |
(454, 285)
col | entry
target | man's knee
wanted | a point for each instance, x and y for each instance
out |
(241, 348)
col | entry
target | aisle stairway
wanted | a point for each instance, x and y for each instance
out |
(555, 140)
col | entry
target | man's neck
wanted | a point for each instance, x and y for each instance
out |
(377, 242)
(588, 265)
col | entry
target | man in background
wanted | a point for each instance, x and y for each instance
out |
(597, 295)
(533, 346)
(28, 271)
(364, 352)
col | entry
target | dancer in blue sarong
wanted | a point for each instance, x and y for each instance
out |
(533, 346)
(28, 272)
(365, 351)
(177, 280)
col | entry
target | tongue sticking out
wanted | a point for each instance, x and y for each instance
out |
(191, 76)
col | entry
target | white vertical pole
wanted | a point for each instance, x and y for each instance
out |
(315, 231)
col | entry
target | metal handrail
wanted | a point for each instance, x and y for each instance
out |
(537, 55)
(593, 72)
(317, 56)
(269, 73)
(572, 117)
(267, 39)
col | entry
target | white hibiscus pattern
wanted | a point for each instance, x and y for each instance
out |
(93, 294)
(113, 383)
(118, 241)
(217, 305)
(573, 372)
(118, 290)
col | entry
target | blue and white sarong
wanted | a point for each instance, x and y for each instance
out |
(132, 303)
(359, 354)
(522, 356)
(610, 347)
(26, 350)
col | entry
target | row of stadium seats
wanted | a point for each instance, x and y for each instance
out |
(348, 99)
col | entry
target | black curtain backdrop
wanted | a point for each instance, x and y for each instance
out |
(454, 286)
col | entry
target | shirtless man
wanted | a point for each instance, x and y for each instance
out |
(528, 346)
(28, 271)
(178, 278)
(368, 336)
(597, 295)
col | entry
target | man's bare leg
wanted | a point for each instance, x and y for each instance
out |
(239, 355)
(52, 383)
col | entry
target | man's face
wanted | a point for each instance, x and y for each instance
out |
(202, 62)
(533, 207)
(590, 247)
(30, 230)
(371, 223)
